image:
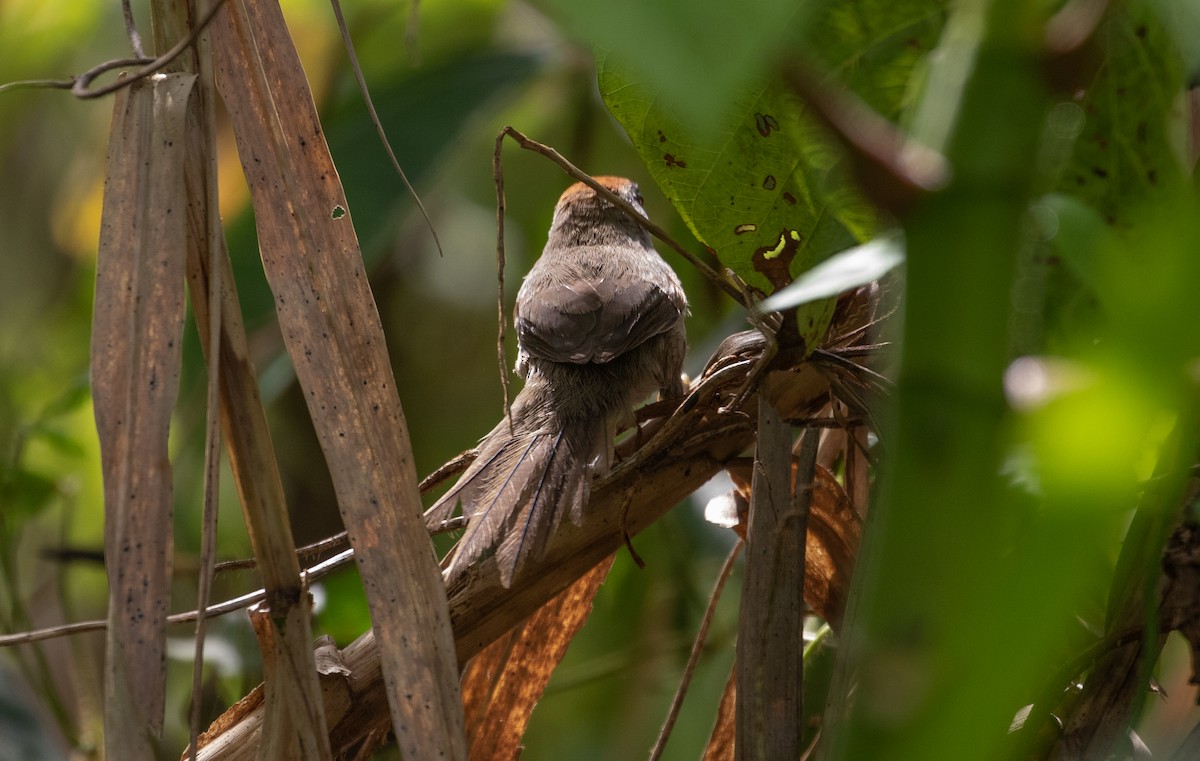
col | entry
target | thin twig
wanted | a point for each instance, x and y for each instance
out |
(338, 540)
(38, 84)
(694, 656)
(862, 330)
(80, 87)
(756, 374)
(79, 83)
(498, 177)
(305, 553)
(135, 39)
(705, 269)
(307, 576)
(212, 453)
(212, 483)
(83, 627)
(678, 422)
(219, 609)
(633, 553)
(859, 350)
(366, 94)
(461, 462)
(769, 325)
(838, 359)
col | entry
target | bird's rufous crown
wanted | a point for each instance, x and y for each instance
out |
(616, 184)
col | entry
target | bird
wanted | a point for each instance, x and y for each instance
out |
(600, 326)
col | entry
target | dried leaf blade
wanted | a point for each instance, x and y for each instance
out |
(502, 684)
(135, 364)
(333, 333)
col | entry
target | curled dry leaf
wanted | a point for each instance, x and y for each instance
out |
(720, 740)
(503, 683)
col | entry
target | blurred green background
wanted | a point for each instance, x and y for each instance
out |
(1105, 280)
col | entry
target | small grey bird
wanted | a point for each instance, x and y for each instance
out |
(599, 323)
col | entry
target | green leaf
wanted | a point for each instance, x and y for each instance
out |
(1181, 19)
(764, 189)
(820, 655)
(76, 394)
(1056, 295)
(874, 47)
(1125, 147)
(26, 493)
(758, 192)
(696, 54)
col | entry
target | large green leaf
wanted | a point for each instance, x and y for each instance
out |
(765, 190)
(694, 53)
(1116, 138)
(874, 46)
(757, 192)
(1124, 150)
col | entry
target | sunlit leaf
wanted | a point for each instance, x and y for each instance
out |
(874, 47)
(697, 55)
(758, 193)
(839, 273)
(765, 189)
(1125, 147)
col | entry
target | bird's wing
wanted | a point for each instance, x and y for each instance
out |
(595, 319)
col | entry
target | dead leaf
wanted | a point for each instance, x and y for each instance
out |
(288, 733)
(503, 683)
(834, 529)
(136, 331)
(721, 740)
(332, 331)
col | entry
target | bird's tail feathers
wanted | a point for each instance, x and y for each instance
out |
(520, 488)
